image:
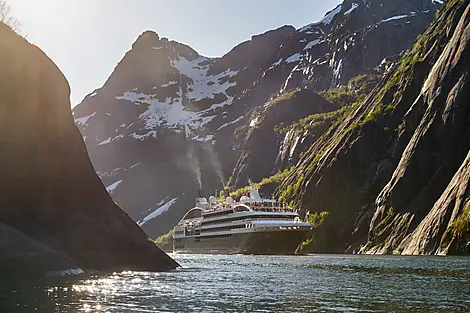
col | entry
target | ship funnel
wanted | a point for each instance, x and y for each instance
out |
(254, 193)
(202, 203)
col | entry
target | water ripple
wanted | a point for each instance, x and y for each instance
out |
(317, 283)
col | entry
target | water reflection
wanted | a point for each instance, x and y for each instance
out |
(259, 284)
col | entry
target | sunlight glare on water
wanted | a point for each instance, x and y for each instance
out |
(207, 283)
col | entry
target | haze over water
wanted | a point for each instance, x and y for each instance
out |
(318, 283)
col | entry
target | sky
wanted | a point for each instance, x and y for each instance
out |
(87, 38)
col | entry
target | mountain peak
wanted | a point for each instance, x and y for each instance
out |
(147, 39)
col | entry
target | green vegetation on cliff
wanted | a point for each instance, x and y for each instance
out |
(242, 133)
(384, 224)
(347, 97)
(292, 189)
(355, 91)
(317, 220)
(459, 232)
(316, 121)
(283, 97)
(415, 61)
(272, 182)
(462, 225)
(165, 242)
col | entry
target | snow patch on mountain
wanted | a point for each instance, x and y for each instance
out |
(353, 7)
(294, 146)
(84, 120)
(111, 139)
(275, 64)
(113, 186)
(325, 21)
(254, 121)
(230, 123)
(331, 15)
(152, 133)
(397, 17)
(205, 138)
(297, 68)
(137, 164)
(204, 86)
(337, 70)
(158, 211)
(170, 113)
(169, 84)
(312, 44)
(132, 96)
(294, 58)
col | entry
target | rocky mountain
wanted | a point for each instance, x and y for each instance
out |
(397, 165)
(169, 119)
(56, 216)
(287, 126)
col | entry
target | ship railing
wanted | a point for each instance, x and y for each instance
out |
(270, 219)
(273, 209)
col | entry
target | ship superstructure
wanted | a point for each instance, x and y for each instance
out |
(251, 226)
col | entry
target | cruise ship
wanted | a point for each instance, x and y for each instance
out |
(251, 226)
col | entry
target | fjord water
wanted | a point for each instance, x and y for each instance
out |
(217, 283)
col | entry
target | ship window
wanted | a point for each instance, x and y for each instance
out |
(240, 218)
(218, 213)
(209, 238)
(211, 230)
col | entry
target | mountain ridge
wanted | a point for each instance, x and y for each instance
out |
(171, 113)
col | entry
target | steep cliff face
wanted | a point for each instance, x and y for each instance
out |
(355, 38)
(397, 164)
(438, 147)
(262, 143)
(281, 131)
(165, 120)
(50, 191)
(445, 230)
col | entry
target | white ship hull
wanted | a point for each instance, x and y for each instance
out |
(285, 242)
